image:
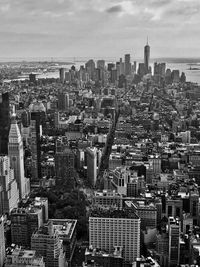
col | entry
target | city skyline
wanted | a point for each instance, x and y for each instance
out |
(99, 28)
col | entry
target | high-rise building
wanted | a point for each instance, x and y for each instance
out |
(101, 64)
(174, 242)
(16, 154)
(62, 74)
(64, 164)
(23, 223)
(147, 213)
(4, 122)
(9, 192)
(90, 67)
(91, 164)
(66, 229)
(63, 101)
(23, 258)
(146, 57)
(38, 114)
(108, 229)
(2, 243)
(141, 69)
(175, 76)
(127, 64)
(47, 243)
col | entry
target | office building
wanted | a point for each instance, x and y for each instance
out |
(174, 208)
(63, 101)
(159, 69)
(62, 74)
(141, 69)
(90, 67)
(64, 163)
(4, 122)
(127, 64)
(175, 76)
(46, 242)
(38, 114)
(23, 258)
(2, 243)
(108, 198)
(146, 213)
(16, 154)
(103, 258)
(66, 229)
(24, 221)
(91, 164)
(114, 76)
(174, 242)
(114, 228)
(42, 202)
(162, 248)
(146, 57)
(32, 77)
(9, 192)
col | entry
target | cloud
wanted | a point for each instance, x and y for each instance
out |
(115, 9)
(86, 26)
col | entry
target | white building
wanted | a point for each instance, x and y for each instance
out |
(118, 228)
(16, 154)
(9, 192)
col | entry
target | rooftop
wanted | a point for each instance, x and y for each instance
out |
(113, 213)
(64, 227)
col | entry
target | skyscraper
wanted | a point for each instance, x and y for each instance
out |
(62, 74)
(146, 56)
(2, 243)
(127, 64)
(174, 242)
(4, 122)
(9, 192)
(16, 154)
(92, 165)
(38, 114)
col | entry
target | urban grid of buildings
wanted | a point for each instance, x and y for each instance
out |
(99, 167)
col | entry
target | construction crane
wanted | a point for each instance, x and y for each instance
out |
(104, 163)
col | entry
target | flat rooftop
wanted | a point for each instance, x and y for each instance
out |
(65, 228)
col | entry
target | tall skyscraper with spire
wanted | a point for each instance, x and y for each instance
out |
(147, 56)
(16, 154)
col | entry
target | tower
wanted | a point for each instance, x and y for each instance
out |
(146, 56)
(16, 154)
(127, 64)
(4, 122)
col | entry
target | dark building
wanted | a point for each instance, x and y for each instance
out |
(104, 259)
(64, 165)
(4, 122)
(38, 115)
(32, 77)
(146, 57)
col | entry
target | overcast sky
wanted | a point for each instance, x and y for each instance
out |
(99, 28)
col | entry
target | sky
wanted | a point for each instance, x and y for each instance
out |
(99, 28)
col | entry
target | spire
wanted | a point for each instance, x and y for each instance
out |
(14, 133)
(147, 40)
(13, 116)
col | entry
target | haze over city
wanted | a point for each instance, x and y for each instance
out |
(99, 28)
